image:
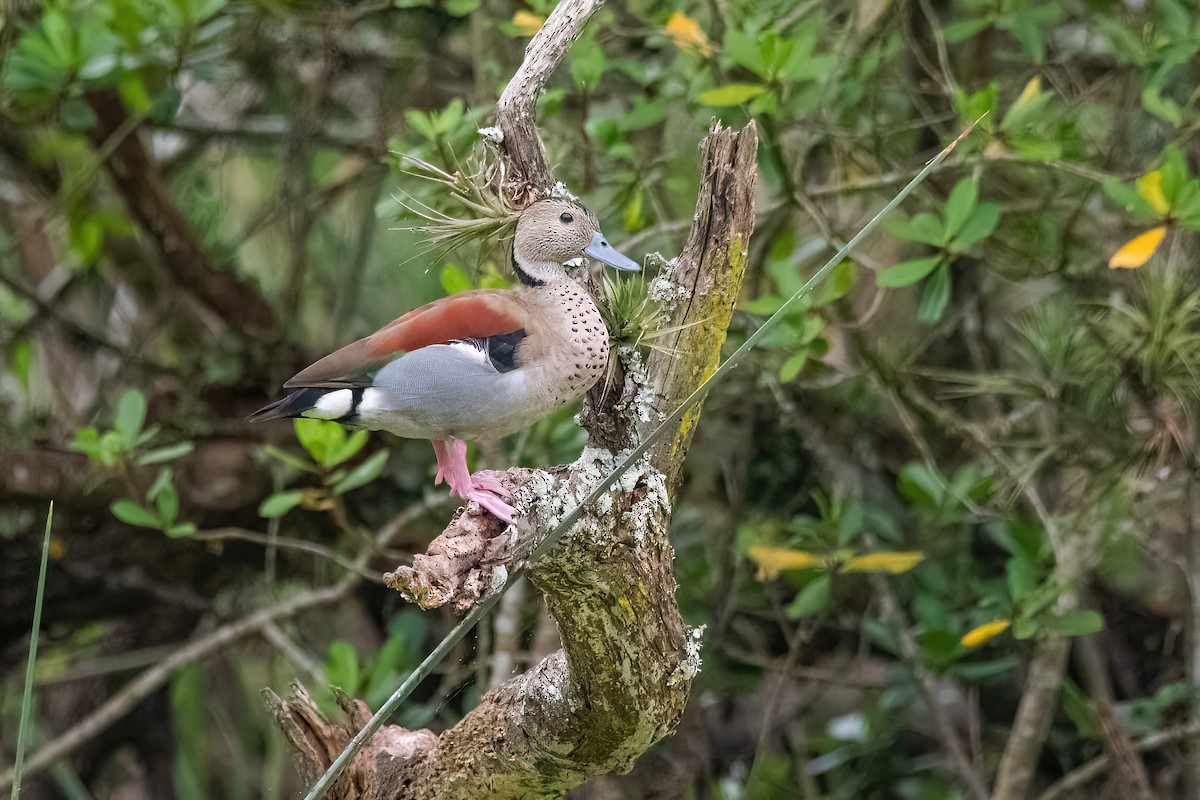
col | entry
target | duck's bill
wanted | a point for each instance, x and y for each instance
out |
(601, 250)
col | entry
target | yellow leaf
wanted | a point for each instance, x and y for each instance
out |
(686, 34)
(984, 633)
(1031, 91)
(892, 563)
(527, 22)
(1137, 251)
(1149, 186)
(772, 560)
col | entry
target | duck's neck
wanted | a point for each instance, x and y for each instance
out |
(525, 278)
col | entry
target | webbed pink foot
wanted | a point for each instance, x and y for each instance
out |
(480, 487)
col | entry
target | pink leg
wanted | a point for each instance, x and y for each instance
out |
(452, 465)
(442, 451)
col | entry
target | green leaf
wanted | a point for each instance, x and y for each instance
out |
(76, 114)
(168, 453)
(131, 513)
(643, 114)
(284, 457)
(161, 481)
(762, 305)
(181, 531)
(936, 296)
(924, 227)
(959, 206)
(1025, 628)
(907, 273)
(347, 447)
(87, 441)
(962, 30)
(421, 122)
(812, 599)
(742, 48)
(1187, 205)
(586, 63)
(1164, 108)
(341, 667)
(733, 94)
(454, 280)
(131, 415)
(1126, 196)
(321, 439)
(1174, 173)
(921, 485)
(1026, 109)
(792, 367)
(841, 281)
(980, 225)
(975, 106)
(1076, 622)
(280, 503)
(1021, 577)
(364, 473)
(20, 357)
(461, 8)
(167, 502)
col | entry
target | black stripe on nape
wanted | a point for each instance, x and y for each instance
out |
(524, 277)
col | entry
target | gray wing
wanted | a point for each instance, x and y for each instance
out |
(452, 389)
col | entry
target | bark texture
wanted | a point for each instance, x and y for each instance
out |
(526, 172)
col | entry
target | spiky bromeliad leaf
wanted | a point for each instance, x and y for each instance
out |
(475, 212)
(633, 318)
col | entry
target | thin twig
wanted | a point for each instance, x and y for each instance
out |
(157, 676)
(287, 543)
(1096, 767)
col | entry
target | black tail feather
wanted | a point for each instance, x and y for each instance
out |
(294, 405)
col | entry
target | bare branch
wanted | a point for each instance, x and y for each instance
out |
(527, 170)
(150, 203)
(157, 676)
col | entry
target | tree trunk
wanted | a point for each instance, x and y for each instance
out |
(622, 678)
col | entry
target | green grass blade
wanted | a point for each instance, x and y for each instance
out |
(27, 699)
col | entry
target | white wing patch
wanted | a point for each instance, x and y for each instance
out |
(332, 405)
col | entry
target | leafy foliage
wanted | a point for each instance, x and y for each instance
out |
(971, 442)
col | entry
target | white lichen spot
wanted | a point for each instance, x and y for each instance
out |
(643, 403)
(552, 692)
(493, 135)
(657, 259)
(668, 295)
(559, 191)
(499, 577)
(689, 667)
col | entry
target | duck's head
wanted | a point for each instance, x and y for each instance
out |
(552, 232)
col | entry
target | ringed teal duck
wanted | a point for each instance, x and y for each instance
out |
(476, 365)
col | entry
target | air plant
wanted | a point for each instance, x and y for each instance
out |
(634, 319)
(479, 213)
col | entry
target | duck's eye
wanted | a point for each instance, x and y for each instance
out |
(566, 218)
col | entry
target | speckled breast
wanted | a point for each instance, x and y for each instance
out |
(570, 349)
